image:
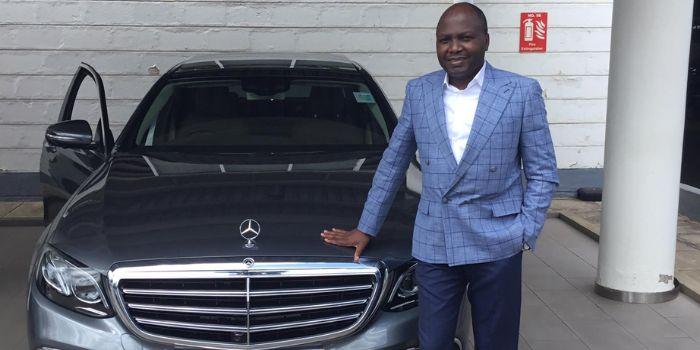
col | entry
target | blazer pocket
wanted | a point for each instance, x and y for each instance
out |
(424, 207)
(505, 208)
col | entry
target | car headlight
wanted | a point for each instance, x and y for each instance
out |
(71, 285)
(404, 294)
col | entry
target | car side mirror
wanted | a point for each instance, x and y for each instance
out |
(70, 134)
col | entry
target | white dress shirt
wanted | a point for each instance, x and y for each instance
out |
(460, 107)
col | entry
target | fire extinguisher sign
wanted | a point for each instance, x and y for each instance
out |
(533, 32)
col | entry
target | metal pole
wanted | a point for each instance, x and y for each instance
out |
(643, 144)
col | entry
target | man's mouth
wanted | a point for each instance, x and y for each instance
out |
(456, 59)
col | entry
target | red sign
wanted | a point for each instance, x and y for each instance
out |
(533, 32)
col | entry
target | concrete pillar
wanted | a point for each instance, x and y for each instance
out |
(643, 143)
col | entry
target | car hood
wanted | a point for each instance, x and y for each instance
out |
(159, 206)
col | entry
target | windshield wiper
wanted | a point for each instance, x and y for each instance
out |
(286, 153)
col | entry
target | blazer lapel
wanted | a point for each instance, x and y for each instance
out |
(437, 122)
(494, 97)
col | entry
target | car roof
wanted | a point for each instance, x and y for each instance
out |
(266, 60)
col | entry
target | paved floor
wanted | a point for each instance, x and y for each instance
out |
(560, 309)
(16, 247)
(24, 213)
(586, 216)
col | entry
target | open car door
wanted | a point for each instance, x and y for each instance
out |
(71, 150)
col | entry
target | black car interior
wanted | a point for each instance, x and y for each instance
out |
(267, 112)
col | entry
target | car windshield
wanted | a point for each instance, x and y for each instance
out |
(305, 113)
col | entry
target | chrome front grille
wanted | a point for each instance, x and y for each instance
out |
(233, 306)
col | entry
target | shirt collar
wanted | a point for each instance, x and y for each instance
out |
(478, 80)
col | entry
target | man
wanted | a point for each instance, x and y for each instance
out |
(472, 125)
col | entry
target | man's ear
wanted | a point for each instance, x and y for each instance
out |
(488, 41)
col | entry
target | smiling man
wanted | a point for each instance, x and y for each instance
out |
(474, 126)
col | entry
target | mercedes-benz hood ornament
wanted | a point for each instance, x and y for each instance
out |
(250, 230)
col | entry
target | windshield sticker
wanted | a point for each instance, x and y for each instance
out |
(363, 97)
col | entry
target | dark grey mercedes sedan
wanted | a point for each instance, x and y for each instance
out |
(199, 227)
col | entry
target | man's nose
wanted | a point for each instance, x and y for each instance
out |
(454, 46)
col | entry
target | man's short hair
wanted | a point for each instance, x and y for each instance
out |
(479, 14)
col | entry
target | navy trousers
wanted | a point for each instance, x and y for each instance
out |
(493, 289)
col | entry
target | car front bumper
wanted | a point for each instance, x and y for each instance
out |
(51, 326)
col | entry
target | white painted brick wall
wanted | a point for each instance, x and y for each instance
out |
(42, 42)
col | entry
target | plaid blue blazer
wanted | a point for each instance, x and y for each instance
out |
(477, 210)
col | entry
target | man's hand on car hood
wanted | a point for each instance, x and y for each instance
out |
(353, 238)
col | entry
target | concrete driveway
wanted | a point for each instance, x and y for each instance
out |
(16, 247)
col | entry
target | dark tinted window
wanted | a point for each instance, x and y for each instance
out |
(264, 111)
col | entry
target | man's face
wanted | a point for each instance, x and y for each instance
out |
(461, 44)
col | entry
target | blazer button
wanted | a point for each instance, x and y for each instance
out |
(444, 199)
(492, 169)
(427, 162)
